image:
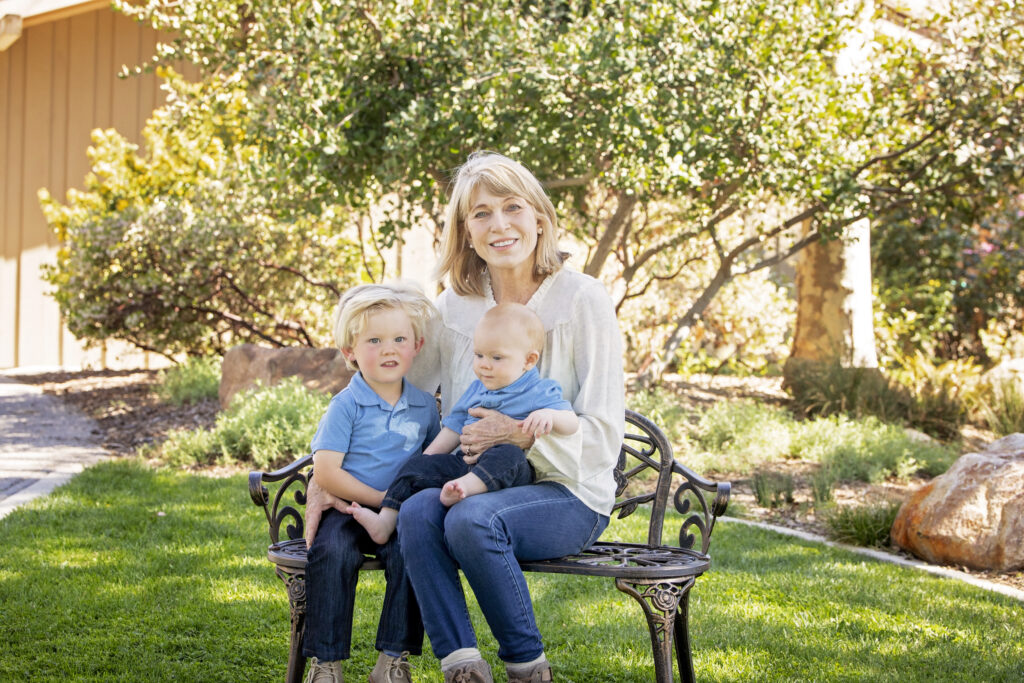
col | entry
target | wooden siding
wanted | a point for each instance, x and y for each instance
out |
(58, 82)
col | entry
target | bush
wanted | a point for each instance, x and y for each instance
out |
(1000, 407)
(743, 434)
(772, 489)
(176, 250)
(866, 525)
(868, 449)
(740, 436)
(196, 379)
(266, 426)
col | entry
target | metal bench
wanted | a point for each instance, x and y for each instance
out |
(657, 575)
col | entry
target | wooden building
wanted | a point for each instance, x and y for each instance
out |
(59, 66)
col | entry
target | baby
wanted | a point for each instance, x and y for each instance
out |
(506, 347)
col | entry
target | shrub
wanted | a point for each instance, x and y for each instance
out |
(772, 489)
(176, 250)
(266, 426)
(829, 388)
(866, 525)
(743, 434)
(868, 449)
(740, 436)
(196, 379)
(1000, 407)
(822, 482)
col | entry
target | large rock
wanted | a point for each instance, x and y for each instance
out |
(245, 365)
(973, 515)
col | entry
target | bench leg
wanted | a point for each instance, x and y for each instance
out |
(683, 655)
(296, 585)
(660, 602)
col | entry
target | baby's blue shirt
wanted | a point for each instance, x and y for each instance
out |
(517, 400)
(376, 437)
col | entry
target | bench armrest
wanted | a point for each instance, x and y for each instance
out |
(277, 510)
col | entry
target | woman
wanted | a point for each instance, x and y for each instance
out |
(500, 246)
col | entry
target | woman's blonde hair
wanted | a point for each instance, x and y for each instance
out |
(502, 177)
(359, 303)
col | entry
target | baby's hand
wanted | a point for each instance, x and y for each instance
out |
(539, 422)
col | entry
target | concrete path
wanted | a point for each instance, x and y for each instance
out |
(43, 443)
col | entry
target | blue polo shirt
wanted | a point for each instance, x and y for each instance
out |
(376, 437)
(517, 400)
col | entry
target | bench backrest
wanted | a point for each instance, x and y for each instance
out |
(647, 473)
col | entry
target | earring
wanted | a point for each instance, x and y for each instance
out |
(540, 231)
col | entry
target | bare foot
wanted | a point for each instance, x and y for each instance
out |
(378, 525)
(452, 493)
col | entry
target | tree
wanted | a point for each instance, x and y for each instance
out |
(659, 127)
(175, 250)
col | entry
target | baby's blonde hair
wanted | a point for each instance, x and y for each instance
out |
(357, 305)
(521, 318)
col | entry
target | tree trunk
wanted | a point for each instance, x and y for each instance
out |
(834, 319)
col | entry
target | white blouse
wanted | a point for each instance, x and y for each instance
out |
(582, 352)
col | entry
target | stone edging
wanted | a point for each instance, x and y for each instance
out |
(886, 557)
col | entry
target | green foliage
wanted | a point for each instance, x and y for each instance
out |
(661, 406)
(741, 436)
(744, 433)
(176, 250)
(866, 525)
(195, 379)
(822, 483)
(868, 449)
(669, 132)
(266, 426)
(829, 388)
(1000, 406)
(772, 489)
(940, 393)
(921, 394)
(949, 278)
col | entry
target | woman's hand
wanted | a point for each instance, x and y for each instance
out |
(319, 501)
(492, 429)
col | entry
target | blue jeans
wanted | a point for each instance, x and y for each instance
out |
(485, 535)
(499, 467)
(332, 570)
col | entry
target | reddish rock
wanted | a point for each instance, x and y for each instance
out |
(973, 515)
(245, 365)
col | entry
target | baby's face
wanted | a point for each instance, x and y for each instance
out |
(500, 356)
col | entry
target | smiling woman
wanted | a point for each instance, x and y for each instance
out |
(500, 247)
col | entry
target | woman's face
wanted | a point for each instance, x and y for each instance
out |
(502, 231)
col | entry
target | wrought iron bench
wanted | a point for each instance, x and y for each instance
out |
(658, 576)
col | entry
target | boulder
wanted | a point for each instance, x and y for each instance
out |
(973, 515)
(245, 365)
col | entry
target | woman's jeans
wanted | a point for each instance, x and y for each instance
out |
(331, 574)
(499, 467)
(484, 535)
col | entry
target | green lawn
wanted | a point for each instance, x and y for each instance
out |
(131, 574)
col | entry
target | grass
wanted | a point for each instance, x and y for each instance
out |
(133, 574)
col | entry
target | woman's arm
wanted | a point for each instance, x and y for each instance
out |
(492, 429)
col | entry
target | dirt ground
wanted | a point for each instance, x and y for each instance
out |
(129, 414)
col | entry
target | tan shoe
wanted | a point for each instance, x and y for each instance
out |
(324, 672)
(473, 671)
(539, 674)
(391, 670)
